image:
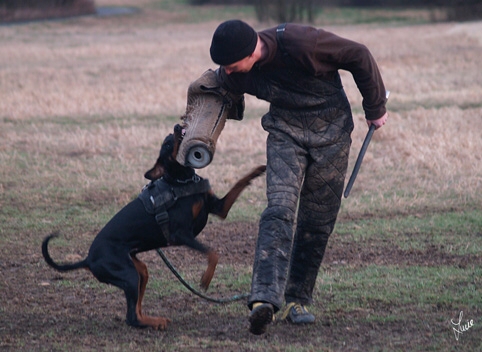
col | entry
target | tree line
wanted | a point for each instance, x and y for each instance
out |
(278, 10)
(305, 10)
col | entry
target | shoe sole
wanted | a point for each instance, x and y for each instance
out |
(301, 321)
(260, 318)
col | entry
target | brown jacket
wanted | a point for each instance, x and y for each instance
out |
(321, 54)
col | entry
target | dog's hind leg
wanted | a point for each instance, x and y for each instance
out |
(141, 320)
(129, 274)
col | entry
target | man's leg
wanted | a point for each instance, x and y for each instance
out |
(286, 162)
(320, 201)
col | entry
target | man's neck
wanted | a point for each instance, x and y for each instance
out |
(261, 50)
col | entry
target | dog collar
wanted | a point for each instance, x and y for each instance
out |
(195, 179)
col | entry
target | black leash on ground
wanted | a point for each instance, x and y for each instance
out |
(193, 290)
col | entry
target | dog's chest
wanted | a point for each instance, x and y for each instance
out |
(177, 205)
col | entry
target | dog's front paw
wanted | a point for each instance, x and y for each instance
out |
(259, 170)
(256, 172)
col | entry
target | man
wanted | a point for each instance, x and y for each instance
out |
(295, 68)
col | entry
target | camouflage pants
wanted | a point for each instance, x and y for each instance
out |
(307, 156)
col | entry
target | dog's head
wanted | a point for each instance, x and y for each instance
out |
(166, 163)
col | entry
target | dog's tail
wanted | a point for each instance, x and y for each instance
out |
(50, 261)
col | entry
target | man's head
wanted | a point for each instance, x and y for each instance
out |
(233, 42)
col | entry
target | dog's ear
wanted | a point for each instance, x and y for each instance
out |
(155, 173)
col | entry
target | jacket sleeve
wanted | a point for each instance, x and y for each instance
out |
(234, 94)
(322, 52)
(235, 83)
(358, 60)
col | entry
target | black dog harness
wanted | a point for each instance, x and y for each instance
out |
(158, 196)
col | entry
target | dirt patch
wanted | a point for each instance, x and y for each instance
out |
(41, 315)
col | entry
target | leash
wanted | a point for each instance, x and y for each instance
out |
(193, 290)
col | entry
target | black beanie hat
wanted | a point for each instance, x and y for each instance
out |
(232, 41)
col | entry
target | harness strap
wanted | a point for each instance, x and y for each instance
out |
(198, 185)
(162, 219)
(280, 30)
(287, 58)
(159, 196)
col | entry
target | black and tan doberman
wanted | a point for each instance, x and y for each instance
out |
(172, 210)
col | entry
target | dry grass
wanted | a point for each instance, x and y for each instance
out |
(91, 95)
(84, 104)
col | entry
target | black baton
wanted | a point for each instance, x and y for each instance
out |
(359, 160)
(361, 155)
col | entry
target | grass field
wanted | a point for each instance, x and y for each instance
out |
(84, 105)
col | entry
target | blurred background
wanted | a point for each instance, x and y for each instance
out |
(277, 10)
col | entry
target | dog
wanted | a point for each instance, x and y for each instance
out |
(184, 200)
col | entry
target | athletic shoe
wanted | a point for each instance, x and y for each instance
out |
(298, 314)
